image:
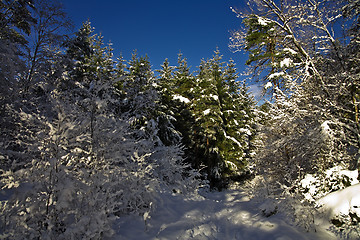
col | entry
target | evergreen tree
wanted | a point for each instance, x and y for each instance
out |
(208, 121)
(90, 73)
(280, 55)
(166, 81)
(120, 67)
(239, 118)
(151, 120)
(223, 119)
(91, 60)
(141, 98)
(183, 90)
(79, 50)
(72, 162)
(168, 105)
(120, 76)
(183, 78)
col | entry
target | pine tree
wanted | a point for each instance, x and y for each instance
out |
(76, 162)
(91, 73)
(141, 98)
(166, 81)
(239, 118)
(183, 90)
(151, 120)
(183, 78)
(79, 50)
(91, 60)
(280, 55)
(208, 121)
(168, 105)
(223, 119)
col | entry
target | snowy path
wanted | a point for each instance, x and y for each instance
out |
(217, 215)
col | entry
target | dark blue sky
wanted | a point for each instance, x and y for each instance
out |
(162, 28)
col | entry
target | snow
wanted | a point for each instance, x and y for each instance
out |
(352, 175)
(181, 98)
(234, 140)
(211, 215)
(206, 112)
(342, 202)
(268, 85)
(325, 126)
(231, 165)
(287, 62)
(309, 182)
(289, 50)
(245, 130)
(263, 22)
(215, 97)
(276, 75)
(335, 178)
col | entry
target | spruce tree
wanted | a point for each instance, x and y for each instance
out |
(168, 105)
(208, 121)
(79, 51)
(183, 88)
(140, 96)
(238, 115)
(222, 111)
(184, 80)
(91, 60)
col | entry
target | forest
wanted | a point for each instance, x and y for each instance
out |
(88, 138)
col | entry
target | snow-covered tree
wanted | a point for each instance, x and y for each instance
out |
(222, 112)
(183, 89)
(16, 17)
(15, 24)
(238, 110)
(168, 105)
(311, 68)
(276, 36)
(91, 60)
(183, 78)
(295, 66)
(84, 172)
(75, 164)
(149, 113)
(208, 121)
(141, 98)
(47, 36)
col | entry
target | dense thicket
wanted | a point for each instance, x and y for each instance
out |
(85, 139)
(306, 56)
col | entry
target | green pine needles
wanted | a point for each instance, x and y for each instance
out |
(213, 112)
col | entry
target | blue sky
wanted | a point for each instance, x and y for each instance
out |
(162, 28)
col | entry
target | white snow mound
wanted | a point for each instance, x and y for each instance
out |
(342, 202)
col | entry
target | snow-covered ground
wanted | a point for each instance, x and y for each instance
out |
(213, 215)
(342, 202)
